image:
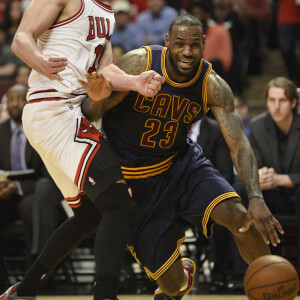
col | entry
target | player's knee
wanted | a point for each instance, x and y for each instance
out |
(120, 202)
(87, 215)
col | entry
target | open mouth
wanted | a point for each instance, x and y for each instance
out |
(185, 64)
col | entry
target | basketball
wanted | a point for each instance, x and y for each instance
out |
(271, 277)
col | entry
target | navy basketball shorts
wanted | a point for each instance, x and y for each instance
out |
(190, 189)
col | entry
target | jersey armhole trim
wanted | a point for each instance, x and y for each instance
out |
(71, 19)
(204, 88)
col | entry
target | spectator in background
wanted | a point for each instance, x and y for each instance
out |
(255, 14)
(21, 77)
(275, 139)
(2, 9)
(288, 21)
(137, 6)
(125, 32)
(12, 18)
(8, 61)
(225, 13)
(241, 106)
(154, 22)
(17, 195)
(218, 45)
(47, 213)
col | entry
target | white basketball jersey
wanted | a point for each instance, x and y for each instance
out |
(81, 39)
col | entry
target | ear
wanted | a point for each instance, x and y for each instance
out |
(167, 41)
(203, 41)
(294, 103)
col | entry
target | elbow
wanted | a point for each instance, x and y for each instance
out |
(14, 45)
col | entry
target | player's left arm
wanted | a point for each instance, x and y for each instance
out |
(220, 101)
(133, 62)
(148, 83)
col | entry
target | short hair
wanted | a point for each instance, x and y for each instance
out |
(185, 20)
(290, 89)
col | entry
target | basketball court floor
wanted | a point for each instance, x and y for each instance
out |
(149, 297)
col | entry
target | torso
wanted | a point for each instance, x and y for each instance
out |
(143, 131)
(79, 34)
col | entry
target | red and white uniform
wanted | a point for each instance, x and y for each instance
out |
(80, 39)
(52, 118)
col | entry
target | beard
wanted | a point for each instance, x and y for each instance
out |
(179, 72)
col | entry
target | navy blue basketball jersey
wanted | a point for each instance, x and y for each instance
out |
(146, 133)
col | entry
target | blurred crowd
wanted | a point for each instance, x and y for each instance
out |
(238, 35)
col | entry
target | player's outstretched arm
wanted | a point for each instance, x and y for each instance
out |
(220, 101)
(132, 63)
(146, 83)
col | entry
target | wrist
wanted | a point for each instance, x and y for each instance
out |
(255, 196)
(133, 82)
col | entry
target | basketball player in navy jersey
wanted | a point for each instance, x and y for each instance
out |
(168, 174)
(61, 40)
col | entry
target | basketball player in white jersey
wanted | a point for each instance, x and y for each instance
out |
(61, 40)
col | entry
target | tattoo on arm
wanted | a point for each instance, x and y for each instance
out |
(220, 101)
(133, 63)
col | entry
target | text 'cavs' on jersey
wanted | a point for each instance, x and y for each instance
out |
(80, 39)
(144, 131)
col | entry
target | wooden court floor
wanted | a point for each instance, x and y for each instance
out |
(149, 297)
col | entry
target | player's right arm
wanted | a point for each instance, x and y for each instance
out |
(133, 63)
(38, 17)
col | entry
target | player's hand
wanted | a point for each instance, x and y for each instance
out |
(52, 66)
(97, 86)
(259, 213)
(149, 83)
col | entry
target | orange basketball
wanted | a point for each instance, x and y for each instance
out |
(271, 277)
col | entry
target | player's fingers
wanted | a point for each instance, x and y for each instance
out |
(159, 78)
(99, 75)
(94, 75)
(263, 232)
(56, 77)
(82, 82)
(155, 83)
(271, 233)
(87, 76)
(56, 64)
(277, 225)
(245, 227)
(57, 59)
(56, 70)
(153, 87)
(150, 93)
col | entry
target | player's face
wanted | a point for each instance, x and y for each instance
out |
(279, 106)
(185, 45)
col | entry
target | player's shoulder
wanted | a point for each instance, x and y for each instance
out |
(218, 91)
(216, 81)
(134, 62)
